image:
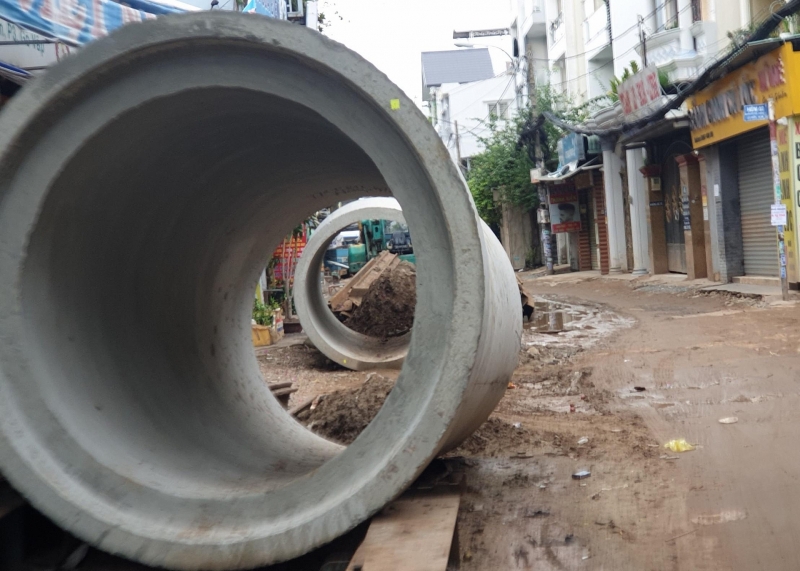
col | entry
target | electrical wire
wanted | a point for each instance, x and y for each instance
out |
(703, 80)
(621, 34)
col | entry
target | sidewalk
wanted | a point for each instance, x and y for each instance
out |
(673, 283)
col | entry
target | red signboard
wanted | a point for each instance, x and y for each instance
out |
(639, 91)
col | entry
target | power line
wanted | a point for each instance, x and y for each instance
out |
(706, 78)
(621, 34)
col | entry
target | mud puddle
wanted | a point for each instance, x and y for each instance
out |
(557, 322)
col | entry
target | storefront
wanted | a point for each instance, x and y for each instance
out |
(738, 162)
(576, 204)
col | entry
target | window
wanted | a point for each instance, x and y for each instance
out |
(670, 14)
(499, 109)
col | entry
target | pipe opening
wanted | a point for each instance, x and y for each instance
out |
(138, 284)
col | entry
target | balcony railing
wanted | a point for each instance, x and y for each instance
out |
(554, 27)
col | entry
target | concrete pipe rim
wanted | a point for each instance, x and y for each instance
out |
(88, 496)
(333, 338)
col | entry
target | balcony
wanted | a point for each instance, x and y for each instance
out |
(595, 31)
(556, 38)
(531, 18)
(664, 51)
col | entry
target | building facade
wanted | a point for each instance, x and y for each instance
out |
(666, 207)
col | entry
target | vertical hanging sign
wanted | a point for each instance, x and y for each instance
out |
(785, 168)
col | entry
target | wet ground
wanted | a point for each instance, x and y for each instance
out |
(607, 375)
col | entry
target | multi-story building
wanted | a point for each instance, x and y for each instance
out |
(648, 217)
(464, 95)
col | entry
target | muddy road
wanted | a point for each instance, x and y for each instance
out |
(638, 367)
(732, 503)
(608, 374)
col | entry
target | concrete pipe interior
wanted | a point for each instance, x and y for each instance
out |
(333, 338)
(143, 184)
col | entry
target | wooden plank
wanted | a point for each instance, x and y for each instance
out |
(358, 286)
(301, 407)
(284, 392)
(413, 533)
(9, 498)
(277, 386)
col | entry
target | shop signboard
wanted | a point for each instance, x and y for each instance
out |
(756, 112)
(570, 149)
(788, 165)
(735, 104)
(565, 215)
(638, 92)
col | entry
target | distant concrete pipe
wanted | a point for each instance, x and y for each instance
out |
(334, 339)
(143, 183)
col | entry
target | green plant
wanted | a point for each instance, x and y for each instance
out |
(262, 314)
(615, 82)
(501, 167)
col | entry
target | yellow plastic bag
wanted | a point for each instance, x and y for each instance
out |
(679, 445)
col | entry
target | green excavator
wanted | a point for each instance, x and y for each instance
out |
(378, 236)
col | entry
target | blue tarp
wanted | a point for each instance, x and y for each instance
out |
(76, 22)
(271, 8)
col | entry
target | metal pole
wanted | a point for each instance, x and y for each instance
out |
(776, 181)
(458, 146)
(547, 235)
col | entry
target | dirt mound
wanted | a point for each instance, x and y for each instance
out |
(387, 309)
(342, 415)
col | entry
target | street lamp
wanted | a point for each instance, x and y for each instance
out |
(510, 57)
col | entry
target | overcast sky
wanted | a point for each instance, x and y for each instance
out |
(393, 34)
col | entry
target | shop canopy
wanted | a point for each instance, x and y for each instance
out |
(77, 22)
(568, 171)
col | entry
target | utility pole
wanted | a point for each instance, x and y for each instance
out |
(458, 147)
(776, 181)
(643, 41)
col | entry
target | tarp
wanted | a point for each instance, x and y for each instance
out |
(14, 73)
(76, 22)
(271, 8)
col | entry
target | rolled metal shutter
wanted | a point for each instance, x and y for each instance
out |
(755, 196)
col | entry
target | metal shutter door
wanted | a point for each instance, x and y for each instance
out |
(755, 196)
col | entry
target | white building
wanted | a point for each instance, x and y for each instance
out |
(464, 95)
(470, 107)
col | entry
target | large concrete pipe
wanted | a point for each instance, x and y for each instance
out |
(345, 346)
(143, 184)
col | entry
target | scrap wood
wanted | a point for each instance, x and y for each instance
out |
(414, 533)
(276, 386)
(294, 411)
(350, 296)
(9, 498)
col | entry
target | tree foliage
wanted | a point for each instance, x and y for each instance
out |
(504, 165)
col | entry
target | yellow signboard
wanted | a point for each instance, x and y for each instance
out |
(716, 112)
(785, 165)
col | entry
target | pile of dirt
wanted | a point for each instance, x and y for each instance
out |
(342, 415)
(387, 309)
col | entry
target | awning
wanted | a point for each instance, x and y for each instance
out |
(569, 171)
(76, 22)
(14, 73)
